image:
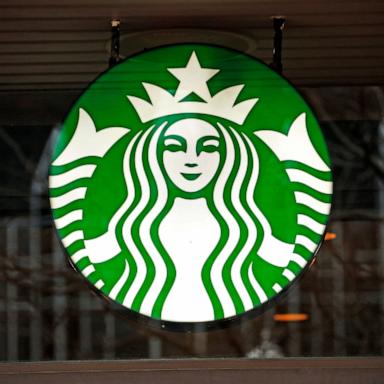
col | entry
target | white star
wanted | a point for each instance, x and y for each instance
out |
(193, 78)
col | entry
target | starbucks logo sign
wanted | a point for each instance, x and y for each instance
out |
(190, 183)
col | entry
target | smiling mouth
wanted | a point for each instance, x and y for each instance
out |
(190, 176)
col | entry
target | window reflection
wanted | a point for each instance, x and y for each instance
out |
(48, 312)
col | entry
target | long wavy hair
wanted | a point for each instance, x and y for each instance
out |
(227, 272)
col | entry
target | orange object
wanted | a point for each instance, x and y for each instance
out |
(330, 236)
(286, 317)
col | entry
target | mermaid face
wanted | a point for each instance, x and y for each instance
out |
(191, 154)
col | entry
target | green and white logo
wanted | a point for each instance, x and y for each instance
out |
(190, 183)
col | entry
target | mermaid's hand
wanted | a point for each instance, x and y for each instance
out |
(275, 251)
(102, 248)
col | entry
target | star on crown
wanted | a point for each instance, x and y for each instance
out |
(193, 79)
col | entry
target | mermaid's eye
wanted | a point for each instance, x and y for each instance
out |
(208, 144)
(174, 143)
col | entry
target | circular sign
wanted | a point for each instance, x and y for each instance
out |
(190, 183)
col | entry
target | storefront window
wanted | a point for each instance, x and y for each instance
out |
(49, 312)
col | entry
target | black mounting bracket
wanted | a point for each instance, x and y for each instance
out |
(115, 43)
(278, 26)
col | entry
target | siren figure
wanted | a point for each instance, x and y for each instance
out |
(190, 225)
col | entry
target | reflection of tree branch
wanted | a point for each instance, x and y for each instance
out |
(354, 214)
(49, 280)
(47, 285)
(347, 142)
(171, 338)
(28, 165)
(377, 162)
(367, 148)
(21, 276)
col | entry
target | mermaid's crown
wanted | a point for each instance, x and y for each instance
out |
(193, 79)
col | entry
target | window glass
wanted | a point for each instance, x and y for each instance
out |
(48, 312)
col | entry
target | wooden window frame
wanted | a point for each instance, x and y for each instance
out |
(201, 371)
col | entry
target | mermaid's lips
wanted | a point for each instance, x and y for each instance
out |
(190, 176)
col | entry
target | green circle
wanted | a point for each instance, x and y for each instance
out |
(191, 183)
